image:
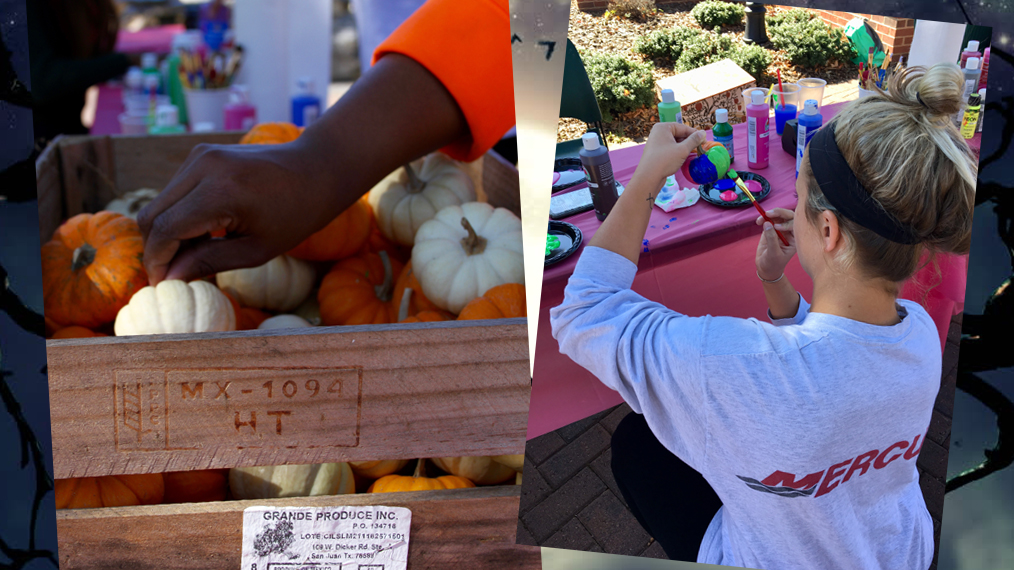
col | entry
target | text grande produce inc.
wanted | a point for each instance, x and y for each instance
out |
(328, 516)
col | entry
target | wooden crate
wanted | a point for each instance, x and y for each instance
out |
(163, 403)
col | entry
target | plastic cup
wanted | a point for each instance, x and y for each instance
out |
(207, 106)
(140, 103)
(812, 88)
(783, 114)
(135, 123)
(866, 92)
(746, 95)
(789, 94)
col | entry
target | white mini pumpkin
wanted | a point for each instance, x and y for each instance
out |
(404, 200)
(176, 307)
(466, 250)
(279, 285)
(132, 202)
(284, 322)
(291, 481)
(479, 470)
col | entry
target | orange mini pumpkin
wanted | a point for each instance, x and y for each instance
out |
(377, 243)
(91, 268)
(501, 302)
(271, 133)
(111, 491)
(247, 318)
(417, 482)
(75, 331)
(429, 317)
(408, 299)
(199, 486)
(358, 289)
(344, 236)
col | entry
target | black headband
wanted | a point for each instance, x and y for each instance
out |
(841, 187)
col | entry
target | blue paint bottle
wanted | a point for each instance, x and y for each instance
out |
(305, 105)
(809, 121)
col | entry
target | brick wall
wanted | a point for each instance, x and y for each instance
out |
(895, 33)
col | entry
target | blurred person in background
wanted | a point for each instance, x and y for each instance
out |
(71, 45)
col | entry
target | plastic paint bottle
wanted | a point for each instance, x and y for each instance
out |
(183, 41)
(809, 121)
(985, 68)
(305, 105)
(722, 131)
(669, 110)
(982, 108)
(149, 66)
(757, 131)
(133, 83)
(971, 116)
(240, 114)
(971, 83)
(971, 50)
(599, 170)
(167, 121)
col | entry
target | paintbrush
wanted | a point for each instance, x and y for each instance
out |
(739, 182)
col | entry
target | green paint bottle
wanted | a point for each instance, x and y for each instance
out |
(669, 112)
(722, 131)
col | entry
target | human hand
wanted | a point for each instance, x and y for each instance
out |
(772, 254)
(668, 147)
(267, 198)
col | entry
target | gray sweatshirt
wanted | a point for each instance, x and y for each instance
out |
(808, 428)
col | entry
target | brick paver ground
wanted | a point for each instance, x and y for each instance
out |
(570, 499)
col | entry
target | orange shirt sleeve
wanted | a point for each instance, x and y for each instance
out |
(465, 45)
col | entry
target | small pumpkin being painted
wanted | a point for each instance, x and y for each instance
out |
(279, 285)
(413, 194)
(176, 307)
(132, 202)
(479, 470)
(465, 251)
(501, 302)
(344, 236)
(358, 291)
(377, 469)
(418, 481)
(91, 268)
(110, 491)
(291, 481)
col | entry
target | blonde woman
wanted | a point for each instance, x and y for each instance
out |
(789, 444)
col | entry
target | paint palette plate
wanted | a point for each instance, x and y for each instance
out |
(707, 189)
(570, 240)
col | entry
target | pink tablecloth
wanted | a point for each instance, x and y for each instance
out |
(156, 40)
(107, 111)
(698, 261)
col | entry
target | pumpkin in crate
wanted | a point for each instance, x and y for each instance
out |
(200, 486)
(479, 470)
(271, 133)
(378, 243)
(176, 307)
(501, 302)
(310, 309)
(377, 469)
(279, 285)
(109, 491)
(429, 317)
(515, 462)
(357, 291)
(291, 481)
(132, 202)
(418, 481)
(344, 236)
(91, 268)
(284, 322)
(465, 251)
(408, 298)
(76, 332)
(413, 194)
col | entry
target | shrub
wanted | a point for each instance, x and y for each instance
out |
(620, 85)
(666, 43)
(807, 40)
(636, 10)
(712, 13)
(709, 47)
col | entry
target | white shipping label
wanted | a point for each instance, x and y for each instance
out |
(751, 138)
(326, 538)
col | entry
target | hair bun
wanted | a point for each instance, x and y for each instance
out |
(936, 91)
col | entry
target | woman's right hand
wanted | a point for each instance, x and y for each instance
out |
(772, 254)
